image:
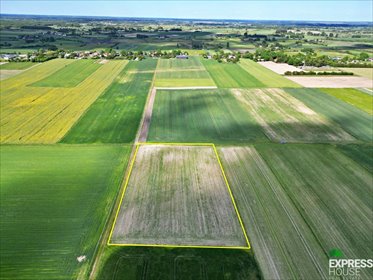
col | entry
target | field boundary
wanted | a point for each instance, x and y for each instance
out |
(171, 245)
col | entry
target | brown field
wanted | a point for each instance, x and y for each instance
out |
(333, 82)
(177, 195)
(284, 118)
(279, 68)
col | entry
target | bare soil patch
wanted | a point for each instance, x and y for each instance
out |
(333, 82)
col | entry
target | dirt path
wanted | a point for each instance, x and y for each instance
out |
(181, 88)
(147, 116)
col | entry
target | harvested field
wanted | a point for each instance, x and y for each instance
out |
(229, 75)
(115, 116)
(330, 192)
(44, 115)
(54, 204)
(332, 81)
(354, 97)
(201, 116)
(69, 76)
(284, 246)
(5, 74)
(177, 195)
(182, 73)
(363, 72)
(266, 76)
(353, 120)
(279, 68)
(286, 119)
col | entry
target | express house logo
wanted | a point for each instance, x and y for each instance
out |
(346, 269)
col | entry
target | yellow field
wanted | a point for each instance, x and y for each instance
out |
(43, 114)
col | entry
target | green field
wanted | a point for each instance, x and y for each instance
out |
(182, 73)
(352, 96)
(181, 264)
(350, 118)
(286, 119)
(330, 192)
(54, 204)
(116, 114)
(229, 75)
(70, 75)
(362, 154)
(17, 65)
(201, 116)
(266, 76)
(284, 246)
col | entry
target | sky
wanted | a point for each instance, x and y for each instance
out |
(342, 10)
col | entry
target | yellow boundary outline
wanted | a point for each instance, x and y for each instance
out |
(179, 246)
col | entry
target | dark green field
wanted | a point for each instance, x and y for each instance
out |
(350, 118)
(70, 75)
(229, 75)
(115, 116)
(54, 204)
(181, 264)
(201, 116)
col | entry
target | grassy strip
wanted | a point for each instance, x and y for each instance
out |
(71, 75)
(54, 203)
(350, 118)
(115, 116)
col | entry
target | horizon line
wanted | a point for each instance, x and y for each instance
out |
(201, 19)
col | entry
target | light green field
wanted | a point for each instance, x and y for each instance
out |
(355, 121)
(16, 65)
(352, 96)
(54, 203)
(363, 72)
(115, 116)
(284, 246)
(266, 76)
(286, 119)
(229, 75)
(182, 73)
(71, 75)
(330, 192)
(201, 116)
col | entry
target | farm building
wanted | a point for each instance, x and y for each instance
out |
(182, 56)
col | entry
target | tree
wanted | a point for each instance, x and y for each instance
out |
(227, 45)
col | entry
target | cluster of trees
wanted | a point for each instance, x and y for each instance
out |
(167, 54)
(308, 57)
(221, 56)
(313, 73)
